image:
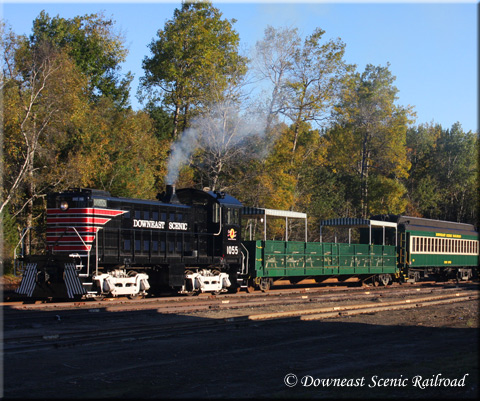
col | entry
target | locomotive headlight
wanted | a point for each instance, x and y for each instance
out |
(64, 205)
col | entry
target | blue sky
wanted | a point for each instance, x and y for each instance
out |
(431, 46)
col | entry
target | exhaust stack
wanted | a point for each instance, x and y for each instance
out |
(169, 196)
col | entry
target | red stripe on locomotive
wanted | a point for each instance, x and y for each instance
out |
(91, 211)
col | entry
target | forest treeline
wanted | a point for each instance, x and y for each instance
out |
(288, 125)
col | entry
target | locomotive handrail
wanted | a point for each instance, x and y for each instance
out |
(220, 225)
(247, 260)
(85, 245)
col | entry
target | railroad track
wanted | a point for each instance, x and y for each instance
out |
(123, 332)
(78, 310)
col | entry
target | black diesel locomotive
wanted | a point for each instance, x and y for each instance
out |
(187, 240)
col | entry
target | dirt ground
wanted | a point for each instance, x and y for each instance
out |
(430, 352)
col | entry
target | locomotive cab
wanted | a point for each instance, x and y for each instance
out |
(216, 215)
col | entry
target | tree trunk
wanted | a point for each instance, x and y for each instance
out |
(175, 122)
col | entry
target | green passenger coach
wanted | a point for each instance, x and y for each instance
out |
(436, 249)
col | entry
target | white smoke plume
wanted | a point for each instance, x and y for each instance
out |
(181, 152)
(220, 133)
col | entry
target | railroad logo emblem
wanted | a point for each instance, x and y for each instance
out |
(231, 234)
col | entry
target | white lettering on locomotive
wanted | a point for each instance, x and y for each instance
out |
(232, 250)
(173, 225)
(149, 224)
(160, 225)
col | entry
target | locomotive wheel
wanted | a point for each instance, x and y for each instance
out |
(251, 287)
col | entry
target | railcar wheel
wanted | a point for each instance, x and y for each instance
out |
(385, 279)
(265, 284)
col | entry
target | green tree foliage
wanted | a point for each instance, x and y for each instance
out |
(119, 153)
(368, 140)
(444, 180)
(43, 96)
(56, 137)
(194, 58)
(95, 47)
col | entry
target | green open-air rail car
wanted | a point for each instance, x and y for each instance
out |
(270, 261)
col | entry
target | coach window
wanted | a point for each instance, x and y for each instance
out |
(179, 217)
(137, 245)
(126, 245)
(155, 216)
(163, 216)
(146, 215)
(137, 215)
